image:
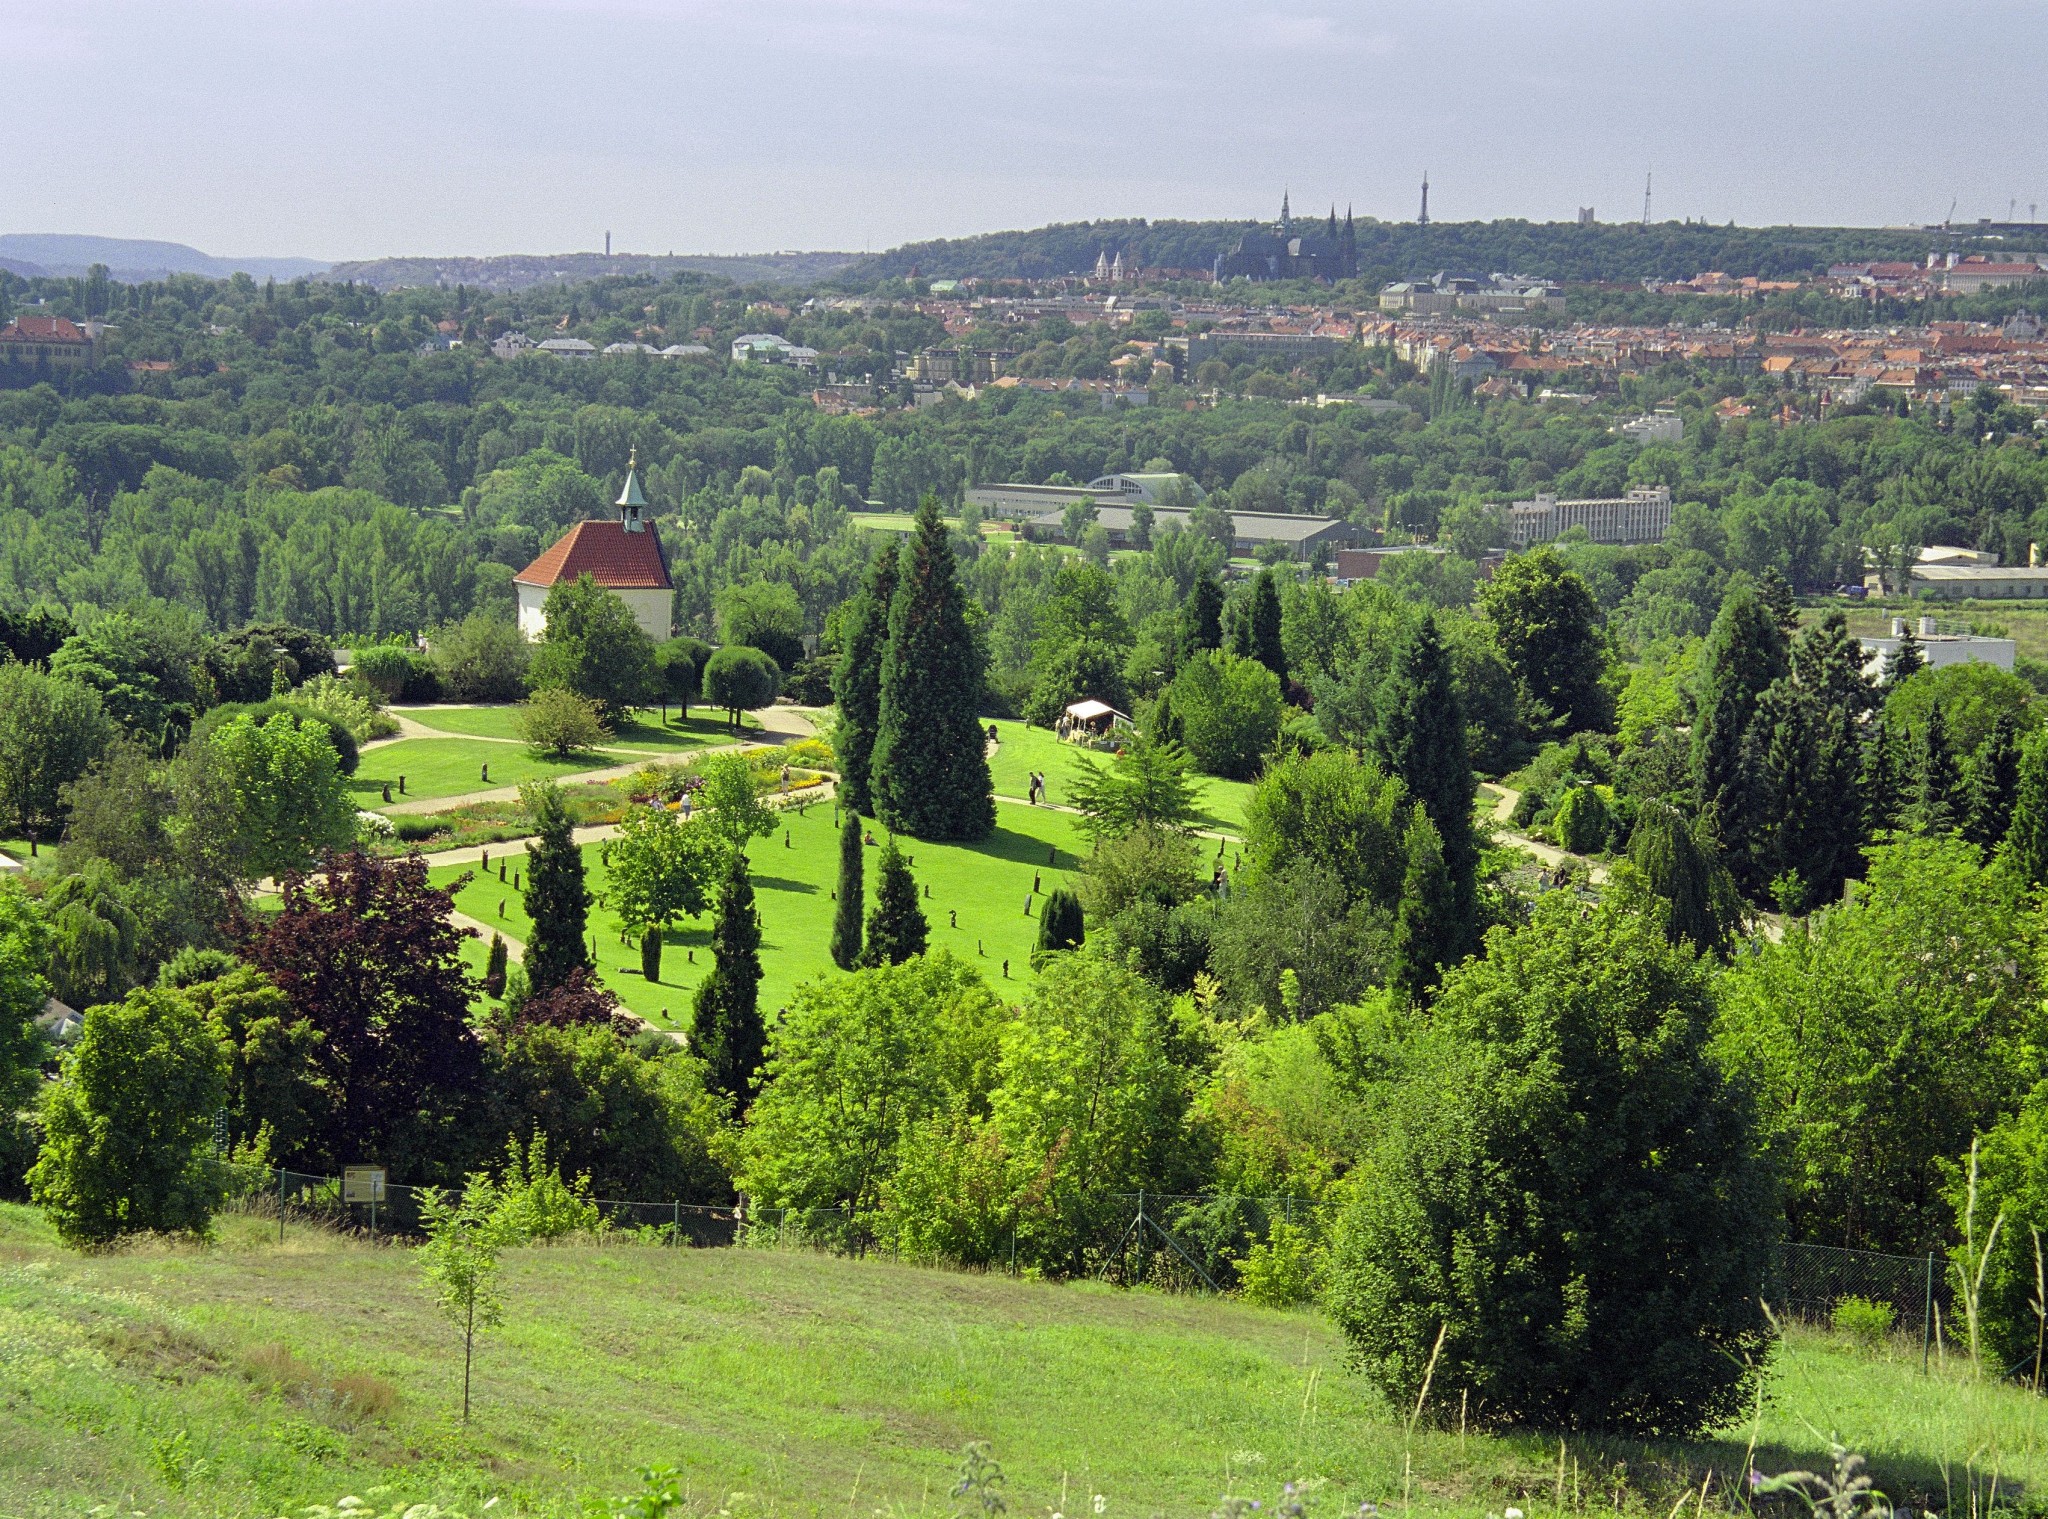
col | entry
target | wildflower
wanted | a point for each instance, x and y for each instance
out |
(1756, 1479)
(1513, 1513)
(1101, 1503)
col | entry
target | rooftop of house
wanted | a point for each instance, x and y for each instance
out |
(44, 329)
(607, 553)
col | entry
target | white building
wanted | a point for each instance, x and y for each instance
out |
(1662, 427)
(1938, 648)
(623, 557)
(1642, 516)
(567, 348)
(772, 348)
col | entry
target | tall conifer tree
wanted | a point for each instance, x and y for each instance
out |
(1431, 928)
(1884, 778)
(1995, 783)
(896, 928)
(1420, 737)
(857, 683)
(930, 765)
(729, 1033)
(1679, 864)
(1906, 661)
(557, 901)
(1944, 802)
(2026, 841)
(846, 939)
(1744, 653)
(1201, 620)
(1262, 623)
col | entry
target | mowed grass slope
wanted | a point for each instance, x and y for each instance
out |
(443, 767)
(178, 1380)
(646, 731)
(985, 883)
(1021, 749)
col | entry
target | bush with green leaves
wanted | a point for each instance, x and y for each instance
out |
(481, 658)
(1584, 819)
(24, 952)
(128, 1126)
(740, 678)
(1225, 709)
(1865, 1320)
(1283, 1270)
(1564, 1186)
(558, 724)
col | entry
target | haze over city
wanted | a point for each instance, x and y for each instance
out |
(356, 130)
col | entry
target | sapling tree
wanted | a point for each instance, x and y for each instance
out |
(465, 1236)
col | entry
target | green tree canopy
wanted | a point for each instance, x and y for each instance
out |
(593, 646)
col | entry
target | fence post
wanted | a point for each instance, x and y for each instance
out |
(675, 1229)
(280, 1205)
(1927, 1317)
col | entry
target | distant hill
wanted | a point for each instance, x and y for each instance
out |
(1400, 250)
(130, 259)
(516, 271)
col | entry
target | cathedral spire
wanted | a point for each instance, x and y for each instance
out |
(1286, 216)
(1333, 218)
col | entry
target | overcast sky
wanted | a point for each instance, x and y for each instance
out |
(357, 128)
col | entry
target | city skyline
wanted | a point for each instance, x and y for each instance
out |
(260, 127)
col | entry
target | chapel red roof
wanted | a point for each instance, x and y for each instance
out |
(607, 553)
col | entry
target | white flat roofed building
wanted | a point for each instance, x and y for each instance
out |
(1960, 582)
(1938, 648)
(1642, 516)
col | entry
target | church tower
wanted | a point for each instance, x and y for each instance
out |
(1423, 219)
(631, 502)
(1286, 216)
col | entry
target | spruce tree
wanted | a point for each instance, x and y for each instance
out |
(1884, 778)
(2026, 841)
(1431, 929)
(1776, 596)
(1995, 783)
(930, 766)
(852, 890)
(1906, 661)
(557, 901)
(1680, 866)
(1744, 653)
(896, 928)
(729, 1034)
(1201, 620)
(857, 682)
(1943, 803)
(1420, 737)
(1061, 923)
(1829, 663)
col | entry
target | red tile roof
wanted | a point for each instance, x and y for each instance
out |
(43, 329)
(607, 553)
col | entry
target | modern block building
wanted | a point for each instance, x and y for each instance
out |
(1642, 516)
(1251, 531)
(623, 556)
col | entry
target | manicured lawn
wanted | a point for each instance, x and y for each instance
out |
(644, 732)
(167, 1379)
(437, 767)
(1022, 749)
(985, 883)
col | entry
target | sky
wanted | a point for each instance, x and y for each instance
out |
(343, 129)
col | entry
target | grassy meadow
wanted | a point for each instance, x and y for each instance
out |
(1021, 749)
(985, 883)
(443, 767)
(250, 1379)
(643, 732)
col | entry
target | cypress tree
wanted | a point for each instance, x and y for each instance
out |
(650, 955)
(1201, 620)
(1943, 803)
(930, 764)
(896, 928)
(1262, 623)
(1430, 928)
(729, 1033)
(1744, 653)
(1995, 783)
(557, 901)
(1420, 737)
(1061, 924)
(495, 961)
(857, 682)
(1679, 864)
(2026, 841)
(852, 889)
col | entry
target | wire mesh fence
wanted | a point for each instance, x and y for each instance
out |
(1170, 1241)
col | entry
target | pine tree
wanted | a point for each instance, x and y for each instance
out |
(852, 890)
(1201, 620)
(729, 1033)
(857, 682)
(1943, 803)
(930, 764)
(557, 901)
(1679, 864)
(1420, 737)
(2026, 841)
(1995, 783)
(896, 928)
(1744, 653)
(1906, 661)
(1430, 927)
(1061, 924)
